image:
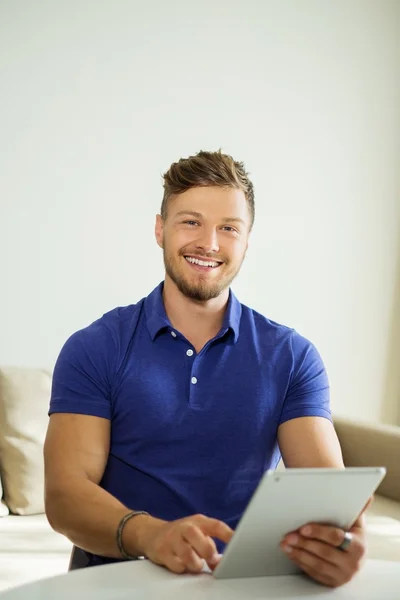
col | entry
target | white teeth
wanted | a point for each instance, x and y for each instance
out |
(201, 263)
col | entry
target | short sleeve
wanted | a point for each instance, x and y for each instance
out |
(308, 390)
(81, 379)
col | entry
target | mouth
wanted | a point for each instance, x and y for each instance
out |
(202, 264)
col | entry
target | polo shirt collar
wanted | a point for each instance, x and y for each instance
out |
(232, 316)
(157, 319)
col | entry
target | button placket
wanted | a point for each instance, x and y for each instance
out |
(195, 382)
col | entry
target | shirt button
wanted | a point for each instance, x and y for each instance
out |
(194, 380)
(173, 333)
(189, 352)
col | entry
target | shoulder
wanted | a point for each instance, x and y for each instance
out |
(271, 334)
(265, 327)
(107, 338)
(116, 322)
(85, 372)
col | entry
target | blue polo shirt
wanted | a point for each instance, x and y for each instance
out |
(190, 433)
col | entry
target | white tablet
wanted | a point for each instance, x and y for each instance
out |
(283, 502)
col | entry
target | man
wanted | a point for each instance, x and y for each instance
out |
(165, 414)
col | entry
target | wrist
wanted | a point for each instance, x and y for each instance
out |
(137, 533)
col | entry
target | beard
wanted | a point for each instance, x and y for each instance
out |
(204, 288)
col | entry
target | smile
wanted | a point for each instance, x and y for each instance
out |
(207, 264)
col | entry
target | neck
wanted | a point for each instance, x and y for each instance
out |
(191, 316)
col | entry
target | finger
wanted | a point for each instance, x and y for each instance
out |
(370, 501)
(321, 550)
(214, 528)
(324, 533)
(360, 521)
(214, 561)
(202, 544)
(312, 563)
(334, 537)
(323, 579)
(188, 556)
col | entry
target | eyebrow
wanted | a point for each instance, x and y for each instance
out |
(198, 215)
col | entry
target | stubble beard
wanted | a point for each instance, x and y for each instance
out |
(202, 290)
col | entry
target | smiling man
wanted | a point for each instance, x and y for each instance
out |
(165, 414)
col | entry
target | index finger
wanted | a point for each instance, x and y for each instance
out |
(325, 533)
(215, 528)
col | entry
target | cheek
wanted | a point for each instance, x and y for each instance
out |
(237, 252)
(184, 239)
(175, 241)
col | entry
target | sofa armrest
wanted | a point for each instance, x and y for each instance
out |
(372, 445)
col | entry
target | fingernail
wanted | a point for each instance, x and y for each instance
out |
(287, 549)
(306, 530)
(215, 558)
(292, 539)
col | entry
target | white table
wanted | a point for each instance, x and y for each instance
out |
(379, 580)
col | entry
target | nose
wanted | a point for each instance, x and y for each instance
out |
(208, 241)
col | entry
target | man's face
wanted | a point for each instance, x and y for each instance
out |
(204, 239)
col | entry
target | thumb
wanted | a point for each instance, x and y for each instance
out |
(370, 501)
(360, 521)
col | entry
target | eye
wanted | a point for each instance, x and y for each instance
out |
(191, 223)
(229, 229)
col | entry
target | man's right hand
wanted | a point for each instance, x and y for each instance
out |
(181, 545)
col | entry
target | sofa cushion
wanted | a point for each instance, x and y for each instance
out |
(24, 401)
(30, 550)
(372, 444)
(383, 538)
(3, 507)
(384, 506)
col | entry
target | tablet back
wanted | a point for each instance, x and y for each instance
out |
(283, 502)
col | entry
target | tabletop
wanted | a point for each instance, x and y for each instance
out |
(142, 580)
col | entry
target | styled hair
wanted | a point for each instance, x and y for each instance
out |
(207, 169)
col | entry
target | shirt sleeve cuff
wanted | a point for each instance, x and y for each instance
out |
(305, 412)
(78, 408)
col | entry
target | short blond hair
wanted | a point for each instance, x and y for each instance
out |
(207, 169)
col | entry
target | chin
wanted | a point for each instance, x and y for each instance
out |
(202, 295)
(202, 292)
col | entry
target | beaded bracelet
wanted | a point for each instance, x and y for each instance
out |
(120, 529)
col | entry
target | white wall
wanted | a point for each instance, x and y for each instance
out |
(98, 98)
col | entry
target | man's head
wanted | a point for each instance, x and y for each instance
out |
(207, 214)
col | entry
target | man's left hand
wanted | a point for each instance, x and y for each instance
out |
(315, 549)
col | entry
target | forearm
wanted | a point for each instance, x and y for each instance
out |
(89, 516)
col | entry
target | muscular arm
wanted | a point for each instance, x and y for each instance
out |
(309, 442)
(75, 455)
(312, 442)
(76, 451)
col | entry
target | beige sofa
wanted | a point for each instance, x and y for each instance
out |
(369, 444)
(30, 549)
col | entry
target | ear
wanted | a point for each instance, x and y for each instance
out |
(159, 231)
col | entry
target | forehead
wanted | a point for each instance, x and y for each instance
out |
(211, 202)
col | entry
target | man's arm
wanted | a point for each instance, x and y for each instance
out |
(76, 452)
(309, 442)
